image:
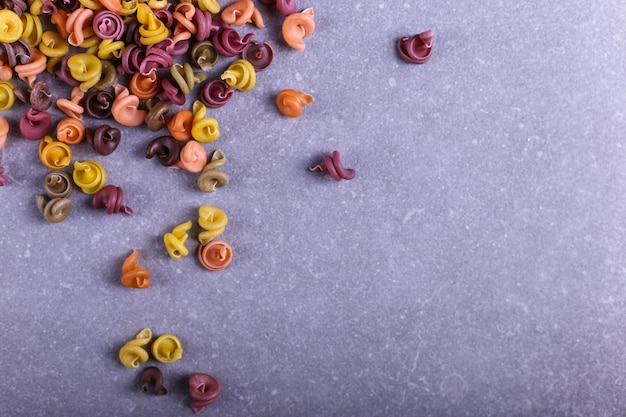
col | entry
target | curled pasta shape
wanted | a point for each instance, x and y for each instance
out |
(32, 29)
(132, 57)
(111, 198)
(91, 4)
(110, 49)
(132, 275)
(58, 184)
(108, 25)
(155, 119)
(125, 108)
(152, 376)
(241, 12)
(40, 96)
(155, 58)
(175, 240)
(215, 93)
(4, 131)
(416, 49)
(215, 255)
(98, 104)
(17, 6)
(109, 76)
(6, 72)
(211, 175)
(152, 30)
(167, 348)
(170, 92)
(145, 87)
(332, 165)
(59, 19)
(213, 220)
(28, 72)
(228, 43)
(284, 7)
(204, 55)
(204, 389)
(76, 23)
(129, 7)
(209, 6)
(132, 354)
(203, 129)
(54, 47)
(85, 68)
(192, 157)
(3, 179)
(11, 27)
(35, 124)
(240, 75)
(54, 154)
(166, 148)
(185, 77)
(70, 131)
(7, 95)
(298, 26)
(259, 55)
(180, 125)
(54, 210)
(104, 139)
(290, 102)
(72, 107)
(203, 22)
(183, 15)
(89, 176)
(36, 7)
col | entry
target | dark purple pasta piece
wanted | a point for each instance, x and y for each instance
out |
(104, 139)
(131, 58)
(111, 198)
(204, 24)
(17, 6)
(17, 52)
(35, 124)
(68, 5)
(3, 179)
(215, 93)
(98, 104)
(152, 376)
(259, 55)
(164, 16)
(40, 97)
(166, 148)
(156, 58)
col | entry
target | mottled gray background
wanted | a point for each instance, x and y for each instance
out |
(475, 266)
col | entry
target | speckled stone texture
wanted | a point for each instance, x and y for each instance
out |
(474, 267)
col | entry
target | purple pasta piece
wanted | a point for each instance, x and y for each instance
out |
(228, 43)
(204, 24)
(171, 92)
(166, 148)
(156, 58)
(164, 16)
(286, 7)
(108, 25)
(40, 97)
(259, 55)
(3, 179)
(48, 7)
(68, 5)
(35, 124)
(64, 74)
(104, 139)
(215, 93)
(17, 52)
(132, 57)
(98, 104)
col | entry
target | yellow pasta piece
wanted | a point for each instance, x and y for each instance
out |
(175, 240)
(167, 349)
(203, 129)
(89, 176)
(54, 154)
(213, 220)
(132, 353)
(240, 75)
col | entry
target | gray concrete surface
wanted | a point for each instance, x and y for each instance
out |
(474, 267)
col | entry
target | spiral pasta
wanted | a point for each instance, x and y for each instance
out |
(70, 131)
(209, 6)
(298, 26)
(32, 29)
(54, 210)
(213, 220)
(185, 78)
(180, 125)
(204, 55)
(241, 12)
(215, 255)
(7, 96)
(290, 102)
(240, 75)
(85, 68)
(204, 389)
(125, 108)
(152, 30)
(58, 184)
(111, 198)
(132, 354)
(72, 107)
(28, 72)
(175, 240)
(89, 176)
(203, 129)
(192, 157)
(11, 27)
(211, 175)
(54, 154)
(76, 24)
(167, 348)
(132, 275)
